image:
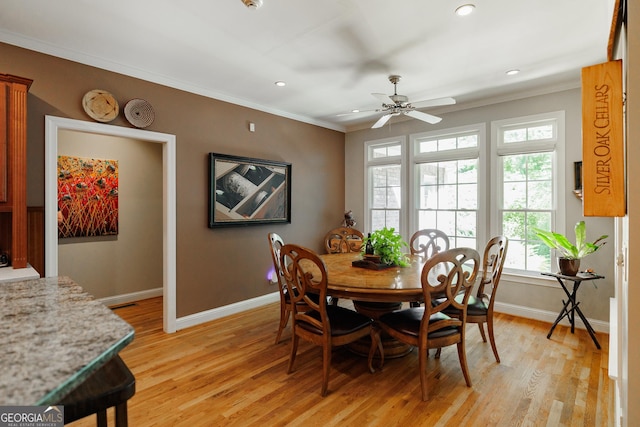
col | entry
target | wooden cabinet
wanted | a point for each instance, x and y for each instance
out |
(13, 168)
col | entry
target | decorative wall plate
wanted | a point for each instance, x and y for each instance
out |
(100, 105)
(139, 113)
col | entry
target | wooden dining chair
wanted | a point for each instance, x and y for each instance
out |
(426, 243)
(446, 274)
(343, 239)
(480, 307)
(275, 243)
(322, 324)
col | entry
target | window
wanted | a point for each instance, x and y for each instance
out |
(446, 176)
(384, 160)
(528, 151)
(452, 180)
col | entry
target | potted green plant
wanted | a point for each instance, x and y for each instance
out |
(388, 245)
(570, 254)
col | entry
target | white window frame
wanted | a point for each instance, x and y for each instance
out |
(499, 148)
(396, 160)
(479, 152)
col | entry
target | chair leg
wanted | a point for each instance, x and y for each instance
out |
(101, 418)
(481, 327)
(294, 350)
(284, 319)
(121, 415)
(376, 342)
(423, 354)
(462, 355)
(326, 364)
(438, 351)
(492, 339)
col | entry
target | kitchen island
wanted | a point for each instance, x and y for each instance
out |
(53, 335)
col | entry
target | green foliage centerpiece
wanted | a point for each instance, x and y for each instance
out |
(388, 245)
(567, 250)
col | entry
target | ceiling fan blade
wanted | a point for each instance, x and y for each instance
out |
(381, 121)
(423, 116)
(382, 97)
(433, 102)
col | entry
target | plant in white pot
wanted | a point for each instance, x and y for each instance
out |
(570, 254)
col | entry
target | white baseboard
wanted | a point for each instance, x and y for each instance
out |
(227, 310)
(132, 297)
(515, 310)
(548, 316)
(238, 307)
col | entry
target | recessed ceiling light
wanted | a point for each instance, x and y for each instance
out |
(280, 83)
(465, 9)
(355, 111)
(512, 72)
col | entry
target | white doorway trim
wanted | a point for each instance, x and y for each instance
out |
(52, 126)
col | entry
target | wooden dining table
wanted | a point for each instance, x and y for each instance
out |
(392, 284)
(374, 292)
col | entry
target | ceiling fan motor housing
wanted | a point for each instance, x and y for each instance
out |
(399, 99)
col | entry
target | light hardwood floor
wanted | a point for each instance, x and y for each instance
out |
(229, 372)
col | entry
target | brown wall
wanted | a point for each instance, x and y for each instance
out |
(214, 267)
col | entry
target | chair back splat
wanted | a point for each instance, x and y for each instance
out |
(343, 239)
(428, 242)
(320, 323)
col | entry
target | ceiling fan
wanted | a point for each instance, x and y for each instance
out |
(400, 105)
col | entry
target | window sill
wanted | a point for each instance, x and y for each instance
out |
(529, 278)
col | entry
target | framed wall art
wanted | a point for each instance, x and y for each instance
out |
(246, 191)
(87, 197)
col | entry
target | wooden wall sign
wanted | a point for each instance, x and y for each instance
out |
(602, 140)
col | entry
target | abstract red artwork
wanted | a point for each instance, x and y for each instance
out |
(87, 197)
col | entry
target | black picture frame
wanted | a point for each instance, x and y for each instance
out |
(577, 173)
(247, 191)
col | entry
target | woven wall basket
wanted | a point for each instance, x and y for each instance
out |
(100, 105)
(139, 113)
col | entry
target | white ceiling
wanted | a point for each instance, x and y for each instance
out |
(331, 53)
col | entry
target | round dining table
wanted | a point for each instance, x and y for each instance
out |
(374, 291)
(392, 284)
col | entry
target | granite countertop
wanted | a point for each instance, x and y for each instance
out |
(53, 335)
